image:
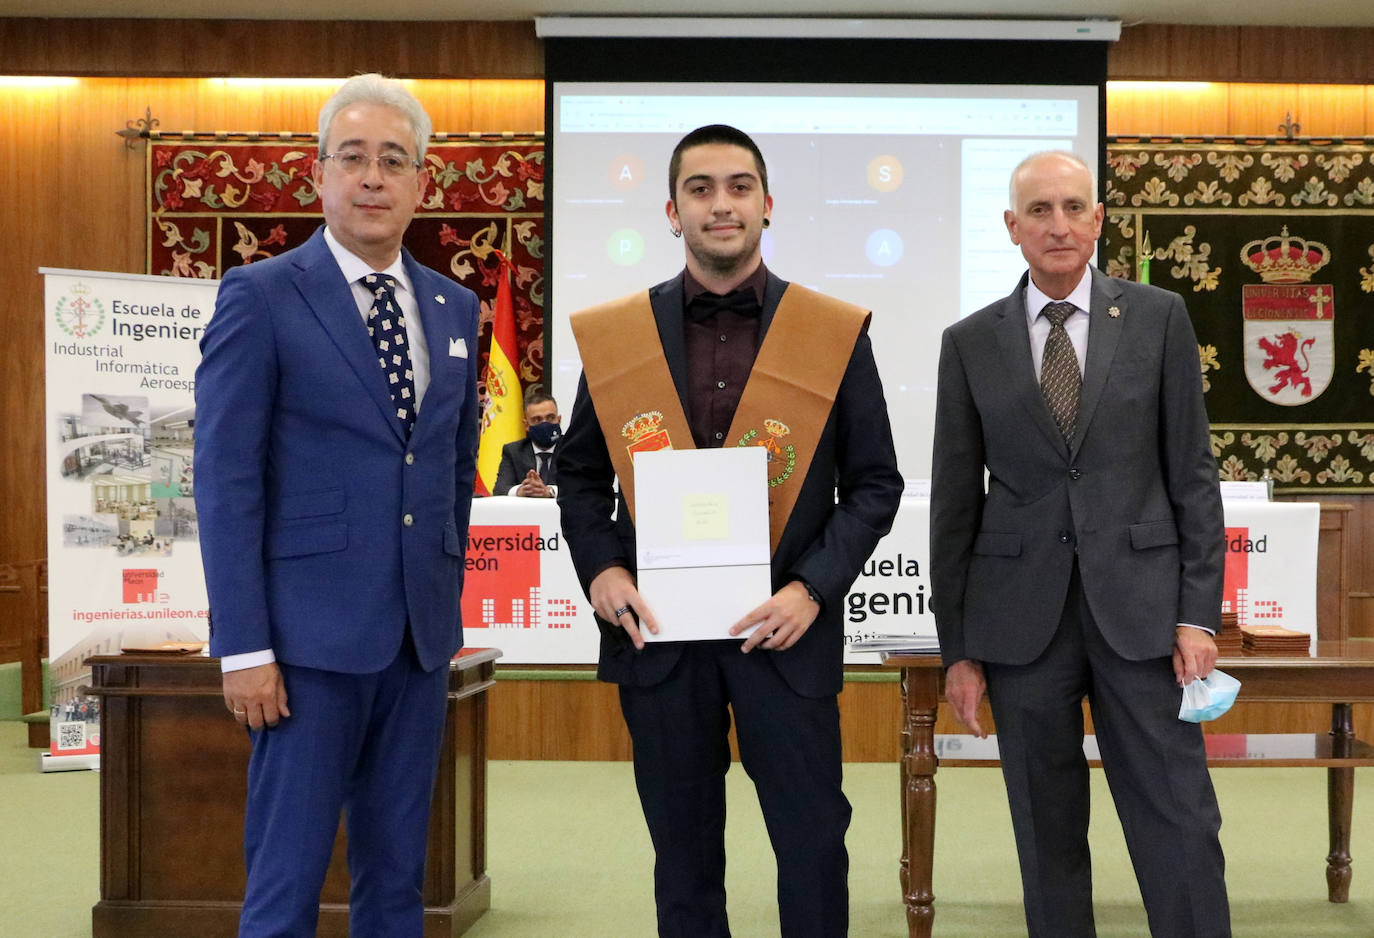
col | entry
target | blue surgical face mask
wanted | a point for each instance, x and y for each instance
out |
(1208, 698)
(545, 434)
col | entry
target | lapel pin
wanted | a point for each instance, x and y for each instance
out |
(1113, 311)
(439, 298)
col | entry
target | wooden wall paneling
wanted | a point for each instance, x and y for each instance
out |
(1164, 52)
(1361, 547)
(1257, 109)
(1161, 110)
(279, 48)
(579, 720)
(1333, 572)
(1178, 52)
(1331, 110)
(508, 105)
(11, 613)
(1288, 54)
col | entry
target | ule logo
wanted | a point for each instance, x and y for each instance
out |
(140, 586)
(501, 586)
(79, 314)
(1289, 323)
(1236, 596)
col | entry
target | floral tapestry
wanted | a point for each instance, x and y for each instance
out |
(217, 203)
(1271, 246)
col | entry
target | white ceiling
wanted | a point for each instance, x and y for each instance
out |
(1216, 12)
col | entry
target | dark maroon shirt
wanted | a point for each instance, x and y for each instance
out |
(721, 347)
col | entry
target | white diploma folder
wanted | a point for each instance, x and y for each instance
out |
(701, 532)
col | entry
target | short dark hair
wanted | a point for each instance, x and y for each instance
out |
(714, 133)
(537, 395)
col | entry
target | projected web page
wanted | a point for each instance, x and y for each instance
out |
(890, 197)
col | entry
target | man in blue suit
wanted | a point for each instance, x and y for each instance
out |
(335, 452)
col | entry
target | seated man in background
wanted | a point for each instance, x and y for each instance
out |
(527, 467)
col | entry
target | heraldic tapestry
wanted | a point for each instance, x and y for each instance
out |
(216, 203)
(1271, 246)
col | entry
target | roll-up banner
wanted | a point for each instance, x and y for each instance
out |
(123, 555)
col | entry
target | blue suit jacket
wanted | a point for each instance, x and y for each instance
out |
(323, 531)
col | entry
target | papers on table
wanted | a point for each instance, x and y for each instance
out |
(701, 532)
(899, 644)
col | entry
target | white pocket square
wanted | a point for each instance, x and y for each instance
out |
(458, 348)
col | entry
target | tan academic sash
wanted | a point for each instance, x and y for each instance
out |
(784, 408)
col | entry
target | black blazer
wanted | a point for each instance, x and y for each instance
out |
(825, 542)
(517, 459)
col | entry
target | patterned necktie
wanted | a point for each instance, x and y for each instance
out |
(546, 471)
(386, 324)
(1060, 379)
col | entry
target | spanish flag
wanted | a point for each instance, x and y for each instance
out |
(503, 413)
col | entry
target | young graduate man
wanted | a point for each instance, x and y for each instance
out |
(709, 327)
(336, 443)
(1089, 566)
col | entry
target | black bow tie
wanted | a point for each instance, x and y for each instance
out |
(704, 306)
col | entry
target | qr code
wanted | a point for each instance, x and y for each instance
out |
(71, 736)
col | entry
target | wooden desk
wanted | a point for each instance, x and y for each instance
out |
(1340, 676)
(172, 786)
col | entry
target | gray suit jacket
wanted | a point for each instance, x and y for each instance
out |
(1133, 497)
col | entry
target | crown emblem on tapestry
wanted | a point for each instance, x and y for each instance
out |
(1284, 258)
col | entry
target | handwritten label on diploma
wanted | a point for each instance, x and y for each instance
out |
(706, 516)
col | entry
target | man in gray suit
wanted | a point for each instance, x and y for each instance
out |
(1088, 565)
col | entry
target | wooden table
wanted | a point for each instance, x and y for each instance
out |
(173, 781)
(1340, 676)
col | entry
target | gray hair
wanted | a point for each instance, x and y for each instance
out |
(387, 92)
(1039, 155)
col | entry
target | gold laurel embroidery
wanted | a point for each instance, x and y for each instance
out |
(1219, 443)
(1264, 445)
(1121, 266)
(1367, 274)
(1207, 354)
(1155, 192)
(1338, 167)
(1363, 193)
(1340, 470)
(1207, 193)
(1367, 364)
(1114, 195)
(1314, 192)
(1233, 470)
(1284, 167)
(1126, 164)
(1229, 165)
(1123, 223)
(1318, 445)
(1262, 192)
(1178, 166)
(1288, 469)
(1192, 264)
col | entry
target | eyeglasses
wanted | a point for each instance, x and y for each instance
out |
(354, 162)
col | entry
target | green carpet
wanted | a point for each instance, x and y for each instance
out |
(569, 856)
